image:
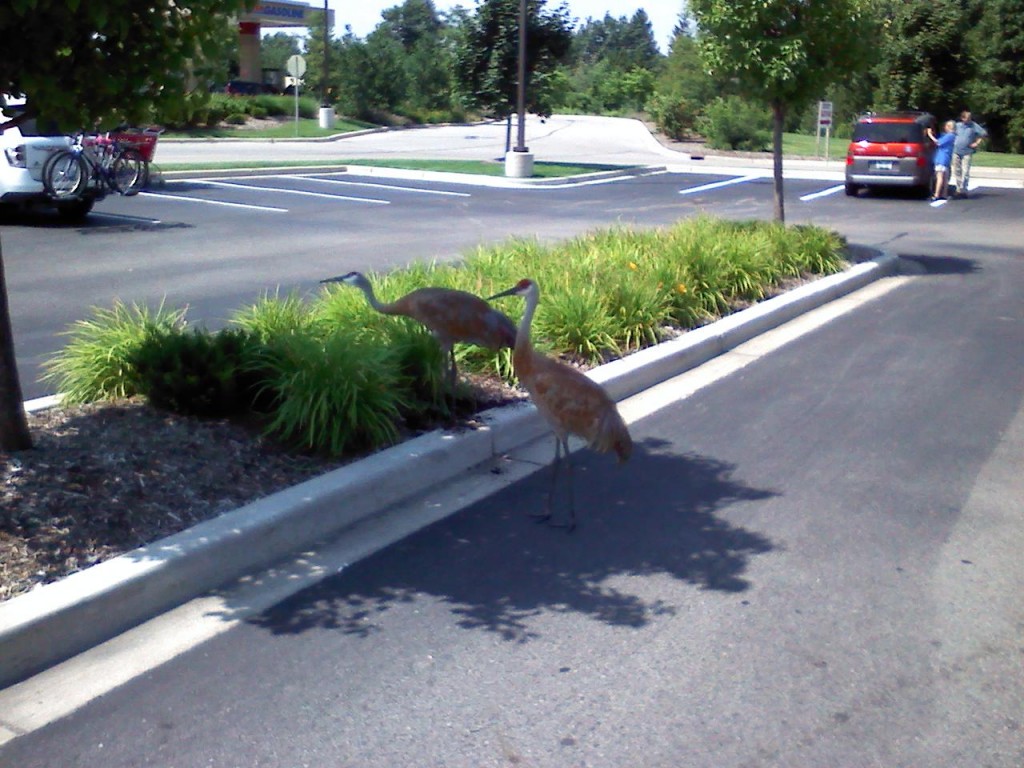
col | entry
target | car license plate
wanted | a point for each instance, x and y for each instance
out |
(881, 165)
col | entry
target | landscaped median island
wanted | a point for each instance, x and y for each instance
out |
(164, 425)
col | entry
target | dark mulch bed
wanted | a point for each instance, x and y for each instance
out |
(105, 478)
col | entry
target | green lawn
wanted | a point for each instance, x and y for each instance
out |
(800, 145)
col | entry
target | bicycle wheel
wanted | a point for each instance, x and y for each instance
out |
(65, 175)
(130, 172)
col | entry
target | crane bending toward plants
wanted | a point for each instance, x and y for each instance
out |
(450, 315)
(569, 401)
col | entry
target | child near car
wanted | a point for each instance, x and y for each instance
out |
(943, 159)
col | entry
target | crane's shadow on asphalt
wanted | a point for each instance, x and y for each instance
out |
(497, 569)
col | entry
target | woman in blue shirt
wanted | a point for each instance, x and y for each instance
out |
(943, 159)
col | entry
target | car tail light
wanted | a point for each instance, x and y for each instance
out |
(849, 159)
(16, 156)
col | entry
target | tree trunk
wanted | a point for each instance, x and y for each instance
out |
(14, 435)
(778, 117)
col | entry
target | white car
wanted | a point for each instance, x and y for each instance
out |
(23, 150)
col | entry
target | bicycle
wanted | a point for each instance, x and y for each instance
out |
(98, 162)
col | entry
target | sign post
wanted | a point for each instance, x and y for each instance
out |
(824, 121)
(296, 67)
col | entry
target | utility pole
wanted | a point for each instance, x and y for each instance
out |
(326, 110)
(521, 89)
(519, 162)
(323, 86)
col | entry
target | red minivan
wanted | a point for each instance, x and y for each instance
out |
(890, 150)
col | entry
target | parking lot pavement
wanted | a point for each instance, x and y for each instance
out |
(48, 625)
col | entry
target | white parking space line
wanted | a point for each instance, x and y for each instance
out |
(183, 199)
(822, 193)
(415, 190)
(719, 184)
(304, 193)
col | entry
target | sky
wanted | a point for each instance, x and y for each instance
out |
(364, 15)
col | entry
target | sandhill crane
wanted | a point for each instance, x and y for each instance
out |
(450, 315)
(571, 402)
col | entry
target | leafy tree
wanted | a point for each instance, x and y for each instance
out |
(81, 63)
(996, 95)
(487, 55)
(922, 61)
(313, 80)
(427, 62)
(684, 87)
(411, 22)
(428, 67)
(384, 71)
(625, 43)
(782, 53)
(367, 77)
(276, 49)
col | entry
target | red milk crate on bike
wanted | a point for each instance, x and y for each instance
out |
(143, 141)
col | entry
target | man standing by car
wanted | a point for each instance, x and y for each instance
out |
(968, 136)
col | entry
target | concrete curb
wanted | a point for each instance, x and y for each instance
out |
(59, 620)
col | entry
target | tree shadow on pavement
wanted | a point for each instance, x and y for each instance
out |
(936, 265)
(496, 570)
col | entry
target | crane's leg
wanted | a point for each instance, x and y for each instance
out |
(561, 454)
(570, 524)
(544, 516)
(453, 378)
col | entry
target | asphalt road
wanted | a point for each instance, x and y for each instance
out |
(813, 561)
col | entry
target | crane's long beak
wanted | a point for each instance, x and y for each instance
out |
(336, 279)
(510, 292)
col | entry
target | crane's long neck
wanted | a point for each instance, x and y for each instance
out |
(371, 297)
(524, 346)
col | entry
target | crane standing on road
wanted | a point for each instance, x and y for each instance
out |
(450, 315)
(571, 402)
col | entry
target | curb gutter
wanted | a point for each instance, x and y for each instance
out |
(54, 622)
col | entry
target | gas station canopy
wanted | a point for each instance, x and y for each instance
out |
(275, 13)
(283, 13)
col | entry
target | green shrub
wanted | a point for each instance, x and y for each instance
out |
(334, 395)
(96, 364)
(215, 116)
(236, 118)
(673, 115)
(732, 123)
(197, 373)
(277, 106)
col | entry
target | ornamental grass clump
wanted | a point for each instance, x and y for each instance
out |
(335, 395)
(341, 309)
(639, 305)
(272, 317)
(577, 322)
(96, 363)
